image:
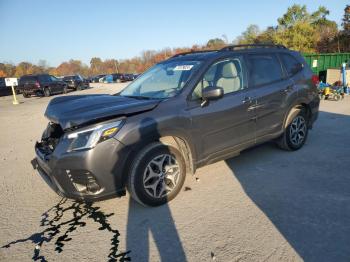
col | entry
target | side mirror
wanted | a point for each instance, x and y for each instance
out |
(211, 93)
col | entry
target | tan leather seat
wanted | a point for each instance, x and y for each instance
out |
(229, 79)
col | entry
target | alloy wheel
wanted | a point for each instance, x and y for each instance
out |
(161, 176)
(297, 131)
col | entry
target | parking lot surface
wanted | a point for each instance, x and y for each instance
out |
(264, 205)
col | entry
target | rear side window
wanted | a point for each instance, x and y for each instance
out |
(44, 78)
(291, 64)
(27, 79)
(264, 69)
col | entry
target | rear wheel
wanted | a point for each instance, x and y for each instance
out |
(337, 97)
(294, 136)
(157, 174)
(25, 95)
(47, 92)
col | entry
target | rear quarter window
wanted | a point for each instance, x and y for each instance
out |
(264, 69)
(291, 64)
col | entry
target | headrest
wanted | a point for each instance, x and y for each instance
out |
(229, 70)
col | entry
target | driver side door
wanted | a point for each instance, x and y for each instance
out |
(228, 123)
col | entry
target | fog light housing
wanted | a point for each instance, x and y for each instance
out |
(83, 181)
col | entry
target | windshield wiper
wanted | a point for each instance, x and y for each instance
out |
(140, 97)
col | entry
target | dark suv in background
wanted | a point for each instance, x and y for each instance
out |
(183, 113)
(42, 84)
(76, 82)
(5, 90)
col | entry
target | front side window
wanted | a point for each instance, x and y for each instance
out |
(163, 80)
(263, 69)
(227, 74)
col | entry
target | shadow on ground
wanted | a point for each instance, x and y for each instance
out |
(305, 194)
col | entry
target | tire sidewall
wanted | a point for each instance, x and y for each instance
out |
(288, 138)
(136, 175)
(47, 92)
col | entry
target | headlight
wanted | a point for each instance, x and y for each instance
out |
(87, 138)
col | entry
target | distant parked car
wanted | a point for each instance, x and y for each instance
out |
(4, 90)
(118, 77)
(76, 82)
(42, 84)
(107, 79)
(96, 78)
(129, 77)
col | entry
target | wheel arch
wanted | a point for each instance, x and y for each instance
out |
(294, 110)
(179, 142)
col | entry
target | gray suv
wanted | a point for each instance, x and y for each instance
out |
(183, 113)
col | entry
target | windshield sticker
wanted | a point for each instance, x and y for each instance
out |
(183, 68)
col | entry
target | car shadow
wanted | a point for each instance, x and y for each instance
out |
(157, 221)
(305, 194)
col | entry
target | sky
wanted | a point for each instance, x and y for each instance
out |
(56, 31)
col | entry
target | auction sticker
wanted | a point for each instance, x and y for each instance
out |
(183, 67)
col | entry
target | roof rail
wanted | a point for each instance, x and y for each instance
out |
(193, 52)
(247, 46)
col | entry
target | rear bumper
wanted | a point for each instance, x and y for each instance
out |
(30, 91)
(90, 175)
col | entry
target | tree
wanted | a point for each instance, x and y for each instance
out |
(268, 36)
(215, 43)
(95, 65)
(249, 36)
(346, 20)
(301, 36)
(295, 13)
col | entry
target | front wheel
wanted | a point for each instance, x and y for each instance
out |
(157, 175)
(294, 136)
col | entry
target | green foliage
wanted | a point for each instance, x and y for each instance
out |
(215, 43)
(294, 14)
(250, 36)
(346, 20)
(301, 37)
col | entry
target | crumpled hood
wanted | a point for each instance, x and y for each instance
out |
(71, 111)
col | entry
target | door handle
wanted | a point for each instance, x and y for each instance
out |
(288, 89)
(247, 100)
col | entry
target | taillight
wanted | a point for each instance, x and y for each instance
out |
(315, 80)
(37, 84)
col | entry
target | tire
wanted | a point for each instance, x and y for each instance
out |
(151, 190)
(336, 97)
(25, 95)
(295, 135)
(78, 88)
(47, 92)
(64, 91)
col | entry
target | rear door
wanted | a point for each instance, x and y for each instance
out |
(228, 122)
(272, 87)
(55, 84)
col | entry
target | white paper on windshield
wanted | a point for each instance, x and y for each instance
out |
(183, 67)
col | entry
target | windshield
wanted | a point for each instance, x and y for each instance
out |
(162, 80)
